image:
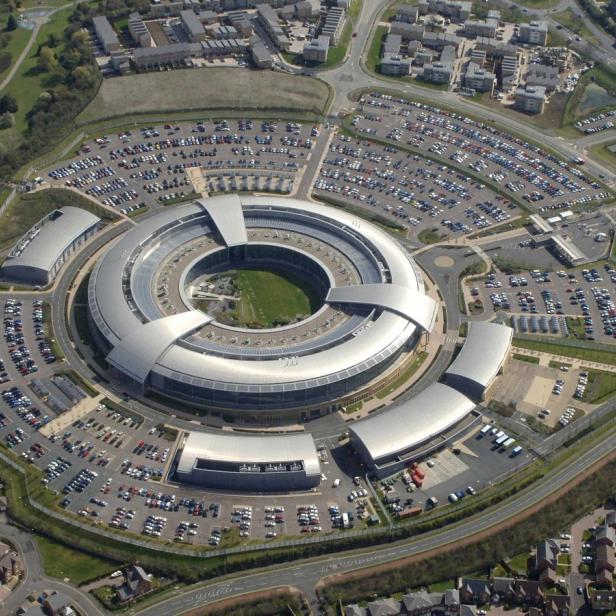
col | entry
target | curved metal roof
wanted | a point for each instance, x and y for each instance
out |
(118, 314)
(413, 305)
(54, 237)
(360, 352)
(259, 449)
(408, 424)
(138, 351)
(226, 212)
(483, 352)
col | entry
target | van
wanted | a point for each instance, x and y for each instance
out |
(432, 501)
(336, 483)
(485, 430)
(516, 451)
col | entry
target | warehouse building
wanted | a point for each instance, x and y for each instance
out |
(389, 440)
(250, 463)
(39, 255)
(105, 34)
(481, 359)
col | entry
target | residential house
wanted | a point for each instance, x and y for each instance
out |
(529, 592)
(137, 583)
(473, 591)
(384, 607)
(503, 589)
(557, 605)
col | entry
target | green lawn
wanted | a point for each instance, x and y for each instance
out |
(519, 562)
(60, 561)
(568, 19)
(588, 354)
(430, 236)
(269, 298)
(531, 359)
(601, 386)
(374, 53)
(29, 83)
(602, 154)
(403, 377)
(28, 209)
(19, 39)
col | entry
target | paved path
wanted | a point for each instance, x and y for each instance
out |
(35, 578)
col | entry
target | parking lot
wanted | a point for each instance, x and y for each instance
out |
(476, 464)
(581, 301)
(525, 169)
(148, 167)
(415, 191)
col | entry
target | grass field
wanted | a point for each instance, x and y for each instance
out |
(269, 298)
(60, 561)
(527, 358)
(601, 153)
(588, 354)
(29, 83)
(601, 386)
(430, 236)
(215, 89)
(19, 39)
(28, 209)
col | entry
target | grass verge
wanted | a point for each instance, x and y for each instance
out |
(586, 353)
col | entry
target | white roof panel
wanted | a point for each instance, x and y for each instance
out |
(260, 449)
(226, 212)
(413, 305)
(136, 354)
(408, 424)
(483, 352)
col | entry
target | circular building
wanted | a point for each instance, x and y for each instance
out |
(189, 305)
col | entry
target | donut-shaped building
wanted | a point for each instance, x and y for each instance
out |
(142, 291)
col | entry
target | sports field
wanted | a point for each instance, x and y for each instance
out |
(217, 89)
(269, 298)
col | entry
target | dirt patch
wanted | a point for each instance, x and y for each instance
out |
(444, 261)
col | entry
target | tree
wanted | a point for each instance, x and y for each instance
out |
(8, 103)
(47, 60)
(6, 120)
(11, 23)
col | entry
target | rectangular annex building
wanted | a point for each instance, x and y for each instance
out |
(40, 253)
(250, 463)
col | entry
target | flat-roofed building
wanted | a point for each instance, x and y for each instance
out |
(482, 357)
(407, 14)
(139, 31)
(408, 31)
(149, 58)
(270, 22)
(225, 32)
(316, 50)
(478, 78)
(481, 27)
(530, 99)
(105, 34)
(568, 250)
(535, 33)
(456, 11)
(333, 24)
(388, 440)
(261, 55)
(543, 75)
(395, 65)
(39, 255)
(192, 26)
(254, 463)
(438, 72)
(392, 44)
